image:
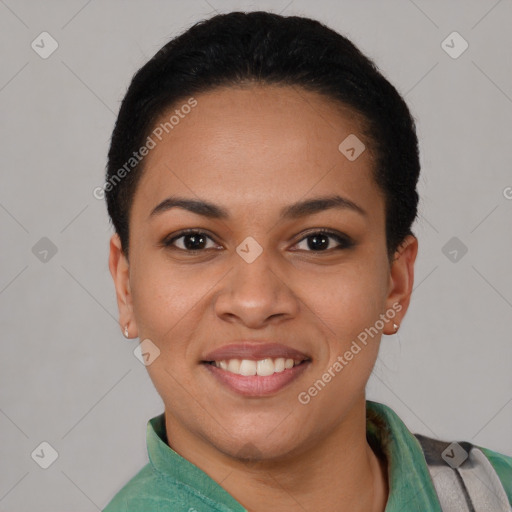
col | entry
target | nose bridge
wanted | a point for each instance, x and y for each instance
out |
(255, 291)
(253, 269)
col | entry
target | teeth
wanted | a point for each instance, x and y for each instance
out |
(279, 365)
(247, 367)
(233, 365)
(263, 367)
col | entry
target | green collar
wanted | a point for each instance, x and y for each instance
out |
(410, 485)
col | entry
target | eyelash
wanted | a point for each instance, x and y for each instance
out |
(344, 241)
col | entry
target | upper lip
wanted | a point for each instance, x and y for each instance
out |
(255, 351)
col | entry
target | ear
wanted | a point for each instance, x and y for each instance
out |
(120, 271)
(401, 280)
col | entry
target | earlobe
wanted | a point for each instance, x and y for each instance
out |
(401, 280)
(120, 271)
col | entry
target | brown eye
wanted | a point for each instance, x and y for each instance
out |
(189, 241)
(321, 241)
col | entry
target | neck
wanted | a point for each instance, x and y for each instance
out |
(339, 472)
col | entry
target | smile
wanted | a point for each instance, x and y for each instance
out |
(256, 378)
(262, 367)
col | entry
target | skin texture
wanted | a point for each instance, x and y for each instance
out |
(253, 151)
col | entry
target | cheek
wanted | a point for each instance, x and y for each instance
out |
(166, 302)
(350, 305)
(163, 296)
(347, 301)
(170, 306)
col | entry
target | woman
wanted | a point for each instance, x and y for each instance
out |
(262, 185)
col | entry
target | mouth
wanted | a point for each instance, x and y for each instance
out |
(261, 367)
(255, 368)
(256, 378)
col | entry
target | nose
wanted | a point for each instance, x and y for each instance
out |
(255, 294)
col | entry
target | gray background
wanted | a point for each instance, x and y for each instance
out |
(69, 378)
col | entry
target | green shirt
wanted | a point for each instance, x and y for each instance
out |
(171, 483)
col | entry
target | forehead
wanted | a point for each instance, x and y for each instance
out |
(256, 145)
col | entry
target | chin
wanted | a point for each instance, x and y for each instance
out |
(259, 443)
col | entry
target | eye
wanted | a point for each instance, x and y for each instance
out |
(190, 240)
(320, 241)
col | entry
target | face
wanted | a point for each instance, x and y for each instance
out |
(258, 269)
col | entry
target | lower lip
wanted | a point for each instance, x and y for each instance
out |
(255, 385)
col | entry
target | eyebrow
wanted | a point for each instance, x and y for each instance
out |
(293, 211)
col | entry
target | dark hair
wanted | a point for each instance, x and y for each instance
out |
(260, 47)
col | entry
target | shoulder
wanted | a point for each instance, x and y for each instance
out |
(148, 490)
(134, 488)
(480, 470)
(502, 464)
(151, 490)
